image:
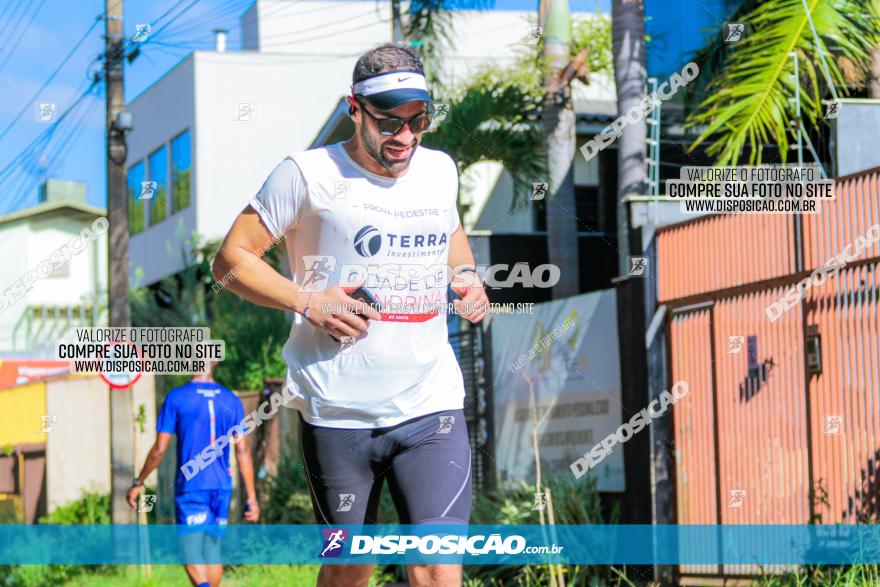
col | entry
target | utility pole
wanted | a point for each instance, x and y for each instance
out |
(396, 34)
(631, 81)
(558, 125)
(121, 414)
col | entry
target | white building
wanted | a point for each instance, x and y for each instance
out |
(36, 311)
(211, 129)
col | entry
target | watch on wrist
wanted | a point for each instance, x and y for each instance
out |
(136, 483)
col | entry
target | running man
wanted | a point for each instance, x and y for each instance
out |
(200, 413)
(380, 395)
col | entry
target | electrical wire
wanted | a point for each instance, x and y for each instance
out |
(205, 20)
(324, 36)
(49, 131)
(44, 160)
(51, 77)
(21, 34)
(12, 17)
(174, 18)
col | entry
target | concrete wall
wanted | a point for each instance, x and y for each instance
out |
(77, 283)
(78, 447)
(490, 189)
(310, 28)
(234, 157)
(21, 408)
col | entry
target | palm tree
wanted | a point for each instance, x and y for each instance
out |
(749, 84)
(630, 79)
(558, 123)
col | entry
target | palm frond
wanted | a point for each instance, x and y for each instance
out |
(494, 117)
(429, 22)
(751, 104)
(594, 32)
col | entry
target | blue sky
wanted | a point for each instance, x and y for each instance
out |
(29, 55)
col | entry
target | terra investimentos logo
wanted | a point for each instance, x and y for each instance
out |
(368, 241)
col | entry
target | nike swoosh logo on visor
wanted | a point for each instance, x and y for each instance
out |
(402, 79)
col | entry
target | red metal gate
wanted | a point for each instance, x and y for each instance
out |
(782, 424)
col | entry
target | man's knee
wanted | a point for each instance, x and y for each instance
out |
(434, 575)
(345, 575)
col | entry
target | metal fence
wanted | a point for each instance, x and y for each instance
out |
(473, 354)
(782, 424)
(22, 484)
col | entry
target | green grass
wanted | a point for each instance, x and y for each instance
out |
(174, 576)
(233, 576)
(826, 576)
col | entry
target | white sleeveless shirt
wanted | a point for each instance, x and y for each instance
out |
(342, 222)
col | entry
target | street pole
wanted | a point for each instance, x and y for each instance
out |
(559, 128)
(121, 414)
(631, 81)
(396, 33)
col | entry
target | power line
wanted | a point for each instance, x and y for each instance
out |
(12, 17)
(29, 165)
(127, 43)
(263, 16)
(21, 34)
(207, 19)
(48, 154)
(51, 77)
(310, 29)
(167, 12)
(324, 36)
(7, 16)
(49, 131)
(175, 17)
(39, 160)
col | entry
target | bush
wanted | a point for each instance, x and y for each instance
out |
(819, 576)
(574, 502)
(288, 500)
(91, 508)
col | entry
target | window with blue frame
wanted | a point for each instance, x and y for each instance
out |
(137, 211)
(181, 183)
(159, 175)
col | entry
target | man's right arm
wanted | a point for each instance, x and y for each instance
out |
(154, 458)
(241, 268)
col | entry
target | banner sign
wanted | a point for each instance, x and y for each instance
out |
(558, 371)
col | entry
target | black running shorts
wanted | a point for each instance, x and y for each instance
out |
(427, 461)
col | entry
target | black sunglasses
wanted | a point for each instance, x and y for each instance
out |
(391, 126)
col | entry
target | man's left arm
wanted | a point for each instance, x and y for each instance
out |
(474, 303)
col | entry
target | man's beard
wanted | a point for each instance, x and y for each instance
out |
(374, 149)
